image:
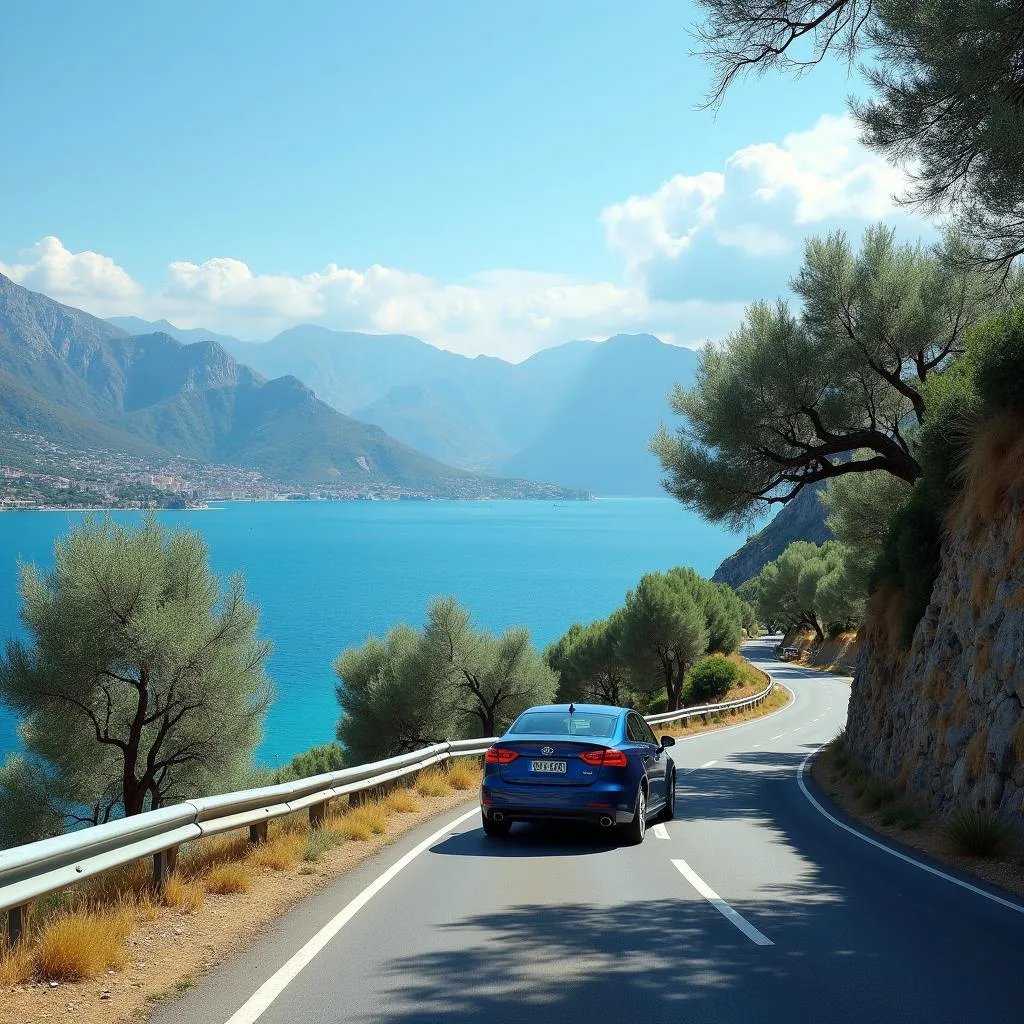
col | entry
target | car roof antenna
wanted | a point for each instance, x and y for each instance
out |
(572, 709)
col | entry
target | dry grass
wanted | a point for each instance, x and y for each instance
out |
(228, 878)
(960, 709)
(16, 966)
(463, 775)
(82, 944)
(132, 883)
(885, 611)
(179, 894)
(936, 684)
(1017, 738)
(197, 859)
(983, 656)
(992, 471)
(976, 754)
(402, 801)
(432, 782)
(281, 853)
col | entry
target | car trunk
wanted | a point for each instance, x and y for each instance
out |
(550, 750)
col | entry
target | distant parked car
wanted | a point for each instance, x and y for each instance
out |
(578, 762)
(790, 653)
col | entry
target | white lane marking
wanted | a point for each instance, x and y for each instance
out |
(754, 746)
(732, 916)
(255, 1006)
(896, 853)
(779, 737)
(707, 764)
(659, 831)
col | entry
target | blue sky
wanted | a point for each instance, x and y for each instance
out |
(492, 177)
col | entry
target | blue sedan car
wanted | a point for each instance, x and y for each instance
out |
(578, 762)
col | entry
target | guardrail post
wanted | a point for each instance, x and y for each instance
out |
(16, 924)
(317, 813)
(164, 863)
(258, 833)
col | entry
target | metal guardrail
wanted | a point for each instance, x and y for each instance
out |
(37, 869)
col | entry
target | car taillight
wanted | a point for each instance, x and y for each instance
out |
(606, 757)
(499, 755)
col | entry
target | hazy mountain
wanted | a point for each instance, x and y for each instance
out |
(64, 371)
(801, 519)
(580, 414)
(601, 429)
(187, 335)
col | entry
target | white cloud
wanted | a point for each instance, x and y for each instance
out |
(49, 267)
(760, 199)
(693, 251)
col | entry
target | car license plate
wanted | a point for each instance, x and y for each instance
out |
(557, 767)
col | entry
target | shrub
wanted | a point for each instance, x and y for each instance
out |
(318, 842)
(182, 895)
(16, 966)
(462, 775)
(402, 801)
(901, 813)
(432, 782)
(875, 794)
(710, 679)
(228, 878)
(82, 944)
(280, 853)
(977, 831)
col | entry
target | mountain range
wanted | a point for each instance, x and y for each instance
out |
(73, 377)
(580, 414)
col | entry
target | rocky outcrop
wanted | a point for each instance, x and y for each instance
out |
(945, 720)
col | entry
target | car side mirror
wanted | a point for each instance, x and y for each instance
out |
(668, 741)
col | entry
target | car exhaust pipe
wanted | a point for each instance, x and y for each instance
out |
(497, 816)
(606, 822)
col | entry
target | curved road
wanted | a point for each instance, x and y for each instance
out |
(751, 906)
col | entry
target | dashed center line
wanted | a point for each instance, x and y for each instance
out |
(707, 764)
(779, 737)
(659, 831)
(732, 916)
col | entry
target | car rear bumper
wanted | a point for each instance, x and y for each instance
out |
(589, 804)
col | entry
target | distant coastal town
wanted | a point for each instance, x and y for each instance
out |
(38, 474)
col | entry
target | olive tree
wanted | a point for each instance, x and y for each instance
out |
(489, 679)
(788, 398)
(392, 697)
(141, 681)
(590, 665)
(663, 633)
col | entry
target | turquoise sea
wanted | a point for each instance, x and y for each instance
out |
(328, 574)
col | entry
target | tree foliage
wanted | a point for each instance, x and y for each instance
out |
(787, 400)
(808, 585)
(590, 665)
(448, 680)
(663, 633)
(947, 79)
(141, 682)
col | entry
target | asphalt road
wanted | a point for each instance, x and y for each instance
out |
(751, 906)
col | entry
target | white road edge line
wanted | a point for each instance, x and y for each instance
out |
(255, 1006)
(732, 916)
(659, 831)
(1009, 904)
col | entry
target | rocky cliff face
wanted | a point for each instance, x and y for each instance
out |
(945, 720)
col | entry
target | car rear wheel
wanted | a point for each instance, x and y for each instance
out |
(496, 829)
(669, 810)
(634, 832)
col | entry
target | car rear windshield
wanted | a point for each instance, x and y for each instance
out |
(561, 723)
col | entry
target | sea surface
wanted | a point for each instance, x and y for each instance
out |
(328, 574)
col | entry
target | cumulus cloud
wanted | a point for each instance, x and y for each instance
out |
(48, 267)
(694, 251)
(761, 203)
